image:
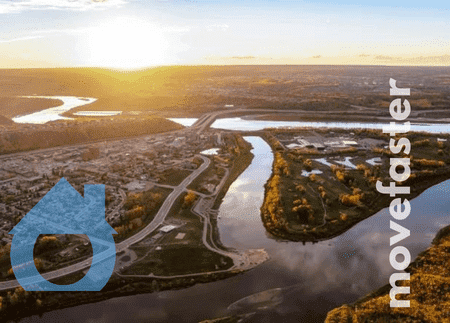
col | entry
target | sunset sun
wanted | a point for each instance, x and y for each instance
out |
(127, 44)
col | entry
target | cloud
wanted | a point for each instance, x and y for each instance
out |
(9, 6)
(429, 60)
(3, 41)
(317, 56)
(223, 27)
(364, 55)
(62, 31)
(243, 57)
(384, 58)
(421, 60)
(38, 34)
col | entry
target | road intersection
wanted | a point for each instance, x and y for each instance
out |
(113, 249)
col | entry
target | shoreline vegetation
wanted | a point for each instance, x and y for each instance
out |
(319, 207)
(429, 297)
(37, 303)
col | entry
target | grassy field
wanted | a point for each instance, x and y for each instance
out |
(177, 256)
(177, 260)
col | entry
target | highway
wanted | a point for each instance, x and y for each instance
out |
(115, 248)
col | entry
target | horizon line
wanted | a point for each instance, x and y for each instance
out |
(214, 65)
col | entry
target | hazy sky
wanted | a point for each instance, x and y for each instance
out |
(133, 34)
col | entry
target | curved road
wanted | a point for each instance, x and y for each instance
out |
(115, 248)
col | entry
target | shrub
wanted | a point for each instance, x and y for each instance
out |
(361, 167)
(308, 164)
(420, 143)
(189, 199)
(429, 162)
(340, 175)
(350, 200)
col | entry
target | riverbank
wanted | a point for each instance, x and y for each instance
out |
(37, 303)
(429, 297)
(239, 165)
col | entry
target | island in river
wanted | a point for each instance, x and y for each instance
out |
(324, 182)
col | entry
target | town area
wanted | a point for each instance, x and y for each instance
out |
(159, 193)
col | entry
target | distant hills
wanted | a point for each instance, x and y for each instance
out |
(192, 90)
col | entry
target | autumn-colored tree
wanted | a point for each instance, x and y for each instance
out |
(420, 143)
(300, 188)
(189, 199)
(38, 263)
(356, 190)
(361, 167)
(350, 200)
(340, 175)
(280, 166)
(272, 210)
(47, 243)
(307, 163)
(136, 212)
(132, 200)
(120, 229)
(428, 162)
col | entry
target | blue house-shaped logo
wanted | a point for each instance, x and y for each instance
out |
(64, 211)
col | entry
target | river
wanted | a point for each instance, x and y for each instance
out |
(248, 124)
(53, 114)
(314, 278)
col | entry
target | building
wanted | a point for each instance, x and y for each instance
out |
(167, 228)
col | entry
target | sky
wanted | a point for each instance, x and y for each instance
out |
(129, 34)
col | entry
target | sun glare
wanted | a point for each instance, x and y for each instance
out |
(127, 44)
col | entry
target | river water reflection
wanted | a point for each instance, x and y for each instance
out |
(314, 278)
(253, 125)
(53, 114)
